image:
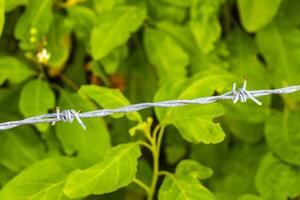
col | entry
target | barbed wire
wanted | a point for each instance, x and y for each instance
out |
(240, 94)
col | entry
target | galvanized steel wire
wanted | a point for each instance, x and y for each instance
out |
(240, 94)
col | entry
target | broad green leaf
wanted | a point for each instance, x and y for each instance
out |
(5, 175)
(42, 180)
(108, 98)
(182, 187)
(280, 45)
(104, 5)
(59, 41)
(185, 3)
(276, 180)
(194, 169)
(2, 15)
(166, 55)
(83, 20)
(12, 4)
(36, 98)
(204, 23)
(256, 14)
(195, 121)
(33, 25)
(290, 9)
(250, 197)
(113, 60)
(238, 169)
(282, 132)
(90, 144)
(159, 10)
(14, 70)
(184, 36)
(114, 29)
(20, 147)
(117, 170)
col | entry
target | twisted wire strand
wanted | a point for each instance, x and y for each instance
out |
(240, 94)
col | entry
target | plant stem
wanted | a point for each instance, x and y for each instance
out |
(146, 145)
(69, 82)
(142, 185)
(155, 153)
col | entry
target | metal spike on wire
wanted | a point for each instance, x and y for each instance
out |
(240, 94)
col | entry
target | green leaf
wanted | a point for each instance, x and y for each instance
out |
(238, 168)
(108, 98)
(14, 70)
(185, 3)
(104, 5)
(43, 180)
(194, 169)
(250, 197)
(117, 170)
(114, 29)
(280, 45)
(195, 121)
(277, 180)
(20, 147)
(12, 4)
(33, 25)
(5, 175)
(290, 9)
(83, 20)
(2, 15)
(90, 144)
(204, 23)
(36, 98)
(256, 14)
(159, 10)
(166, 55)
(283, 135)
(58, 44)
(113, 60)
(182, 187)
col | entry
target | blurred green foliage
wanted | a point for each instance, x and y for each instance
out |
(93, 54)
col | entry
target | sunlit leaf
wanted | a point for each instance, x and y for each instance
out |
(114, 29)
(194, 169)
(204, 23)
(183, 188)
(195, 121)
(255, 14)
(166, 55)
(42, 180)
(250, 197)
(117, 170)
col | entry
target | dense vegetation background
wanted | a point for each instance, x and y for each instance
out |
(92, 54)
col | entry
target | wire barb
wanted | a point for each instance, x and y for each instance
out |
(240, 94)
